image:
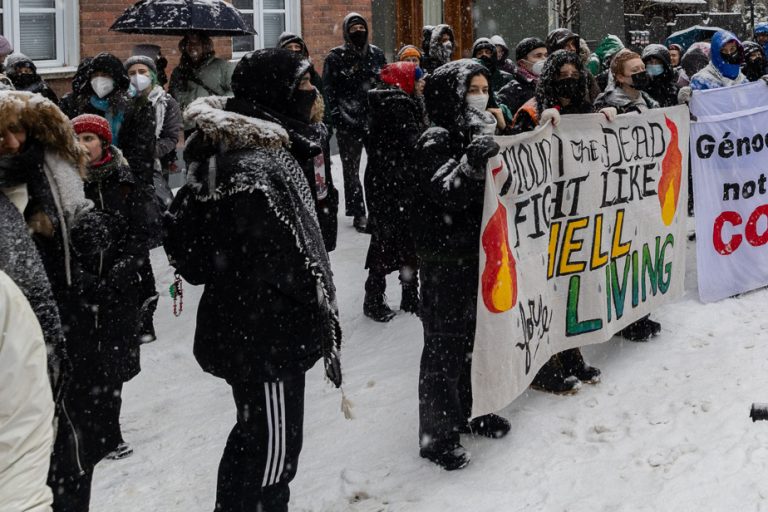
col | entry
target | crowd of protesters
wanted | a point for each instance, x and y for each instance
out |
(84, 193)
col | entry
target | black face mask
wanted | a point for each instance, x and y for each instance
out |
(23, 81)
(641, 80)
(359, 38)
(488, 62)
(754, 70)
(731, 58)
(300, 106)
(568, 88)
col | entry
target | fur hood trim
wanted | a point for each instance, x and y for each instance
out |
(231, 130)
(45, 123)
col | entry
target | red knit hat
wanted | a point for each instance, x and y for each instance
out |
(93, 124)
(401, 74)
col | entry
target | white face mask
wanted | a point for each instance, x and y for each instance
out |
(141, 82)
(538, 67)
(477, 101)
(102, 85)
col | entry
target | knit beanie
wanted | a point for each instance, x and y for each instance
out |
(526, 46)
(5, 46)
(141, 59)
(93, 124)
(408, 51)
(401, 74)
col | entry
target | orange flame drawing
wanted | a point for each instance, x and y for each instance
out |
(499, 279)
(671, 174)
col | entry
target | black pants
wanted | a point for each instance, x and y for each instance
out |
(262, 451)
(350, 149)
(449, 299)
(89, 428)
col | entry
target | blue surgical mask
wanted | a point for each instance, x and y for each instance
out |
(655, 69)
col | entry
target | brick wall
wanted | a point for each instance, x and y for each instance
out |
(321, 24)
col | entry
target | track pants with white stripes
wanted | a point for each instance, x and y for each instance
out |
(262, 450)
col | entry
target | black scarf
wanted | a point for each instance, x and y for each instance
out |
(15, 169)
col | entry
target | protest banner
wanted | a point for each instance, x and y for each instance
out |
(583, 233)
(729, 146)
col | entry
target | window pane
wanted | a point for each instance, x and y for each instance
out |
(38, 36)
(274, 4)
(44, 4)
(274, 25)
(433, 12)
(243, 44)
(243, 4)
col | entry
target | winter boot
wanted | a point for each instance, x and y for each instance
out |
(360, 223)
(574, 364)
(552, 379)
(409, 302)
(375, 304)
(642, 330)
(450, 456)
(122, 451)
(488, 425)
(146, 319)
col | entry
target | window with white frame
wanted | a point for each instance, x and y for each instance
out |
(46, 31)
(269, 19)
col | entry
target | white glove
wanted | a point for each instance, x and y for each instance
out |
(610, 113)
(550, 114)
(684, 96)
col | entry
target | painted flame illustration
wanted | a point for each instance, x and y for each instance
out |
(499, 279)
(671, 175)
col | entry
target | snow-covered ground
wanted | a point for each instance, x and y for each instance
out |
(668, 429)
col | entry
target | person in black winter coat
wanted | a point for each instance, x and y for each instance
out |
(560, 91)
(564, 39)
(103, 317)
(69, 102)
(502, 55)
(250, 235)
(626, 91)
(397, 120)
(531, 53)
(23, 73)
(350, 72)
(132, 123)
(754, 67)
(438, 45)
(451, 158)
(663, 85)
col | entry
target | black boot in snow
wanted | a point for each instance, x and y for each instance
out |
(552, 379)
(146, 319)
(642, 330)
(409, 302)
(450, 456)
(360, 223)
(574, 364)
(488, 425)
(376, 308)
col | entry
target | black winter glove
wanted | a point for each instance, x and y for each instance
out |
(95, 231)
(480, 150)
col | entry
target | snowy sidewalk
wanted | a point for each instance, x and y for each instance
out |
(668, 429)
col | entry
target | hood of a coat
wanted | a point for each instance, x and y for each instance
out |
(559, 38)
(111, 65)
(435, 46)
(658, 51)
(499, 41)
(762, 28)
(45, 123)
(289, 37)
(719, 40)
(446, 89)
(18, 60)
(352, 19)
(230, 130)
(545, 90)
(608, 47)
(694, 60)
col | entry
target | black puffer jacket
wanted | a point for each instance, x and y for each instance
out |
(104, 337)
(663, 88)
(349, 73)
(448, 204)
(397, 121)
(250, 235)
(517, 92)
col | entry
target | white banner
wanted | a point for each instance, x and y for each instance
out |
(583, 233)
(729, 151)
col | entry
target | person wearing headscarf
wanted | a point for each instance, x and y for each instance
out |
(246, 229)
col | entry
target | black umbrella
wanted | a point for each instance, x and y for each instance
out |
(178, 17)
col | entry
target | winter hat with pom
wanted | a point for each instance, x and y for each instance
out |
(269, 77)
(91, 123)
(141, 59)
(526, 46)
(402, 74)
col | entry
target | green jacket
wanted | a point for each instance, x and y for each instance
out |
(607, 48)
(214, 73)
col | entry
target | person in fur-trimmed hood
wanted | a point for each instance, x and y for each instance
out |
(245, 227)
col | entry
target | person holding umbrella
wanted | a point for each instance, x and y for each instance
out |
(199, 73)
